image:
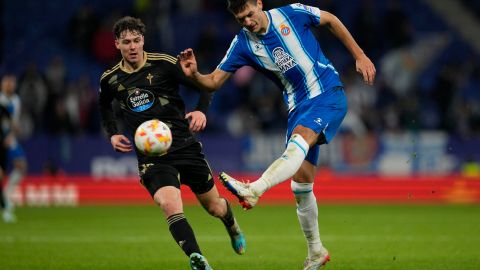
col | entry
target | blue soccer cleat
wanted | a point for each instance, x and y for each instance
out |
(198, 262)
(237, 239)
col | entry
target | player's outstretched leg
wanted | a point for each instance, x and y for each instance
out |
(237, 238)
(241, 190)
(198, 262)
(318, 261)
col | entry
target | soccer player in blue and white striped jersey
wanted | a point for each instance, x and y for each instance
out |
(280, 44)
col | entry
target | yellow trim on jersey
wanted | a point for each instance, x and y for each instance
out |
(161, 56)
(149, 56)
(122, 66)
(110, 71)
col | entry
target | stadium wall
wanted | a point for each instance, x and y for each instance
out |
(406, 153)
(42, 191)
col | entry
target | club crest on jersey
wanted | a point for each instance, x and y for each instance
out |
(140, 100)
(149, 78)
(283, 60)
(285, 30)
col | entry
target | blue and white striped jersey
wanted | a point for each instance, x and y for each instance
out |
(288, 53)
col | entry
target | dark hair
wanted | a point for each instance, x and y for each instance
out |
(128, 23)
(236, 6)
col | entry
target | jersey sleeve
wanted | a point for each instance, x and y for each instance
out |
(107, 115)
(234, 57)
(17, 108)
(311, 15)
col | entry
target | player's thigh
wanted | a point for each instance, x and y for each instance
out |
(322, 115)
(194, 170)
(154, 176)
(306, 173)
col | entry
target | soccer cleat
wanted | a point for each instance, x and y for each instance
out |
(9, 217)
(198, 262)
(245, 195)
(317, 261)
(237, 238)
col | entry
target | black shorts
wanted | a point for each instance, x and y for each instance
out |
(185, 166)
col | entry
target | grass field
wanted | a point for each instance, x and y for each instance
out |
(136, 237)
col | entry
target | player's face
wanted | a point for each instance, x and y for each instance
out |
(9, 83)
(130, 45)
(253, 18)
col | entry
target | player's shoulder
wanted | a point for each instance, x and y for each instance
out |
(299, 7)
(161, 57)
(110, 71)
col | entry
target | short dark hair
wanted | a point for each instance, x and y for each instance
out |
(236, 6)
(128, 23)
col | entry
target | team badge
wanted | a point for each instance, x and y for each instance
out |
(285, 30)
(149, 78)
(140, 100)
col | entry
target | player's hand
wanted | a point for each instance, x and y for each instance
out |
(188, 62)
(198, 121)
(121, 143)
(365, 67)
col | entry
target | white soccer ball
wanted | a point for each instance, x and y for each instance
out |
(153, 138)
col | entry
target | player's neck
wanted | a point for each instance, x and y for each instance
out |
(265, 24)
(133, 66)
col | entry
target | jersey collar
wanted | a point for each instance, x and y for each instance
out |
(123, 68)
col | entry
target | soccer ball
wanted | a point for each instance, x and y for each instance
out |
(153, 138)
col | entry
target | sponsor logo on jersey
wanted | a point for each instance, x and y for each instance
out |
(285, 30)
(305, 7)
(257, 46)
(140, 100)
(283, 60)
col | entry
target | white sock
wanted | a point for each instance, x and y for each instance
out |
(284, 167)
(307, 212)
(13, 180)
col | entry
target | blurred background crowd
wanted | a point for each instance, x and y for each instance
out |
(428, 67)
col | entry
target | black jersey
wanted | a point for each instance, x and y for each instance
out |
(151, 91)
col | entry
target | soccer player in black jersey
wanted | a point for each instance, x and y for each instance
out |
(146, 86)
(5, 141)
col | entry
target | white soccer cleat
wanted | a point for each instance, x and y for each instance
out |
(9, 217)
(317, 261)
(245, 195)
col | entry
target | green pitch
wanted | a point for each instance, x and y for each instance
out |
(136, 237)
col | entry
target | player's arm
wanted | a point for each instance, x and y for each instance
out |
(17, 108)
(362, 62)
(210, 82)
(198, 118)
(119, 142)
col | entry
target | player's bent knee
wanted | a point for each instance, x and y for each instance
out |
(169, 199)
(216, 208)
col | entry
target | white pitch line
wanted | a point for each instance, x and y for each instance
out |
(250, 238)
